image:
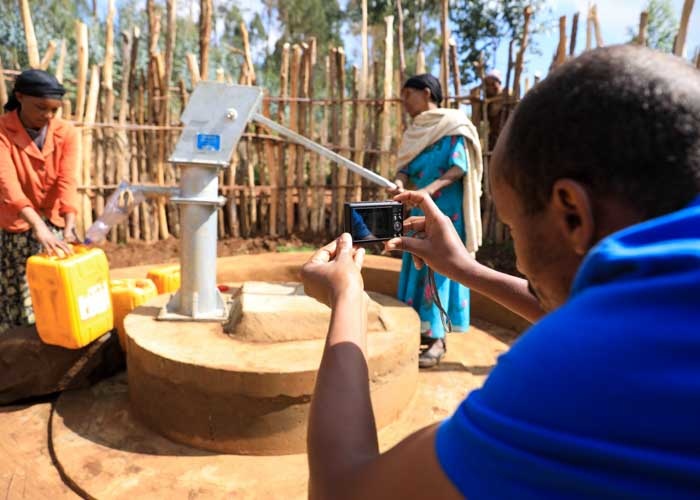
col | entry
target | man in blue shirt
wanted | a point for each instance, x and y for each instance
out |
(597, 174)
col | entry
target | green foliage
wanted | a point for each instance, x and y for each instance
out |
(421, 28)
(482, 25)
(662, 28)
(52, 20)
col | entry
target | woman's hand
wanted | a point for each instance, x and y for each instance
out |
(436, 241)
(399, 188)
(52, 245)
(334, 271)
(69, 234)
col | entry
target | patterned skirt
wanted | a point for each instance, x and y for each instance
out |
(15, 301)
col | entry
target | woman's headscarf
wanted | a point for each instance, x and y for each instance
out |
(36, 83)
(426, 81)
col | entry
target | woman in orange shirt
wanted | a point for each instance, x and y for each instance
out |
(38, 160)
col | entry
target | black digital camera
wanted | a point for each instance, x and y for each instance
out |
(370, 221)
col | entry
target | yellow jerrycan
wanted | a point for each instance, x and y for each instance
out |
(166, 278)
(70, 295)
(127, 295)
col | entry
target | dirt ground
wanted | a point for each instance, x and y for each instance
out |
(138, 253)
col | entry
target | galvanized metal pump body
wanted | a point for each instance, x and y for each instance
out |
(215, 119)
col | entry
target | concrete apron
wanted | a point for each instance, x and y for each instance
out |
(109, 453)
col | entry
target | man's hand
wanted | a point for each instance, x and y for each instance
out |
(436, 241)
(51, 244)
(333, 271)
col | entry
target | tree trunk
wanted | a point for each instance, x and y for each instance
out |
(204, 37)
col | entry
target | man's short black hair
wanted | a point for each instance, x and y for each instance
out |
(622, 120)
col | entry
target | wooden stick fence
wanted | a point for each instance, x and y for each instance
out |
(274, 187)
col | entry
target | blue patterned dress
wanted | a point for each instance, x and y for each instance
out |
(425, 168)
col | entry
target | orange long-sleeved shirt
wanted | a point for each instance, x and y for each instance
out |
(43, 179)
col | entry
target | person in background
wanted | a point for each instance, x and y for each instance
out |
(38, 160)
(495, 101)
(599, 398)
(441, 156)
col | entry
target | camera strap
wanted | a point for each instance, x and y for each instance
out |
(444, 317)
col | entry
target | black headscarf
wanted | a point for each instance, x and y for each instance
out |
(37, 83)
(426, 81)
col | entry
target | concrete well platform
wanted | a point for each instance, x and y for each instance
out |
(251, 395)
(102, 449)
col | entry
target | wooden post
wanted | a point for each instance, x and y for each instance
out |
(402, 57)
(293, 125)
(48, 55)
(679, 46)
(273, 176)
(589, 29)
(316, 192)
(596, 26)
(697, 58)
(374, 129)
(322, 169)
(204, 36)
(30, 37)
(344, 132)
(107, 73)
(135, 38)
(3, 86)
(66, 109)
(364, 69)
(170, 33)
(386, 129)
(303, 204)
(561, 49)
(153, 27)
(574, 35)
(454, 64)
(357, 125)
(139, 152)
(61, 61)
(248, 59)
(82, 46)
(112, 175)
(282, 148)
(334, 135)
(420, 61)
(184, 96)
(642, 34)
(521, 53)
(166, 107)
(361, 108)
(509, 70)
(193, 68)
(88, 121)
(122, 143)
(445, 49)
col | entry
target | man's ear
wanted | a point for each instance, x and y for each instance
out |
(572, 210)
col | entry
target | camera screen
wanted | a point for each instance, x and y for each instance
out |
(371, 223)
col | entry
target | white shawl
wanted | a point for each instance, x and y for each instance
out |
(428, 128)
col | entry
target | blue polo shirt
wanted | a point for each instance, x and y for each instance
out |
(601, 398)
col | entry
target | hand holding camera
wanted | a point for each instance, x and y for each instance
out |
(334, 270)
(433, 239)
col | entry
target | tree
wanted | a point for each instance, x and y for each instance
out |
(421, 27)
(52, 20)
(481, 26)
(662, 27)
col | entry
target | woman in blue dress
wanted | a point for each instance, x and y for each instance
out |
(434, 157)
